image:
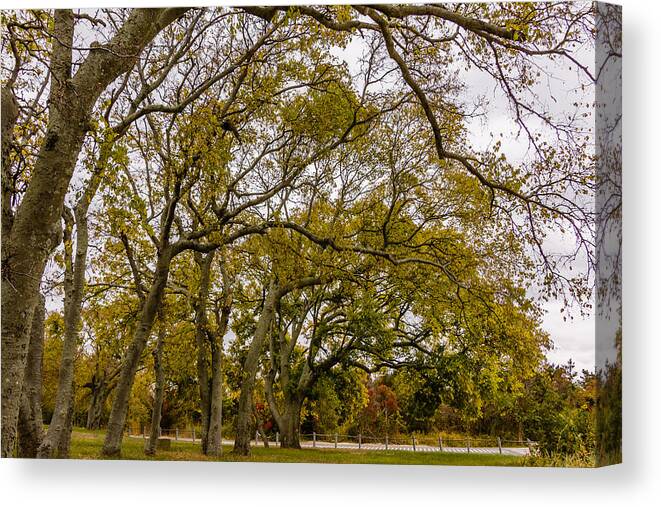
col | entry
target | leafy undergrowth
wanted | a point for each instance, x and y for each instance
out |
(579, 459)
(87, 445)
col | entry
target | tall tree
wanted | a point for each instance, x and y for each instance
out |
(209, 340)
(71, 99)
(277, 289)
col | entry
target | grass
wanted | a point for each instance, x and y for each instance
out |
(87, 444)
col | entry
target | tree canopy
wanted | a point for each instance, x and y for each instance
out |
(280, 207)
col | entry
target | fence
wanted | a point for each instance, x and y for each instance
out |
(414, 443)
(184, 434)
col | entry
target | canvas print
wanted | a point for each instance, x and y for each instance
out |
(385, 233)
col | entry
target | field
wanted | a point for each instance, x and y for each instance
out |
(87, 445)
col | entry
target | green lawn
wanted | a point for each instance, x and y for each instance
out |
(87, 445)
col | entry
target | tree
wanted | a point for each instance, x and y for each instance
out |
(557, 410)
(379, 417)
(209, 341)
(28, 230)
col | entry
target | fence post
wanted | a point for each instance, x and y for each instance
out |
(386, 442)
(160, 432)
(176, 433)
(468, 446)
(500, 446)
(314, 439)
(193, 434)
(336, 440)
(413, 439)
(277, 437)
(360, 440)
(440, 443)
(256, 437)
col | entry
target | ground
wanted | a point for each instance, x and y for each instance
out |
(87, 445)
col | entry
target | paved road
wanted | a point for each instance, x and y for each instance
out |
(307, 444)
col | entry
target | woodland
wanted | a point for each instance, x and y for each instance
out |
(296, 219)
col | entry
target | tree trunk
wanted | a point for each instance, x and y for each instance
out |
(201, 330)
(291, 425)
(262, 433)
(211, 398)
(288, 419)
(95, 409)
(158, 394)
(214, 439)
(30, 419)
(74, 282)
(244, 416)
(216, 340)
(64, 441)
(27, 246)
(113, 440)
(101, 385)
